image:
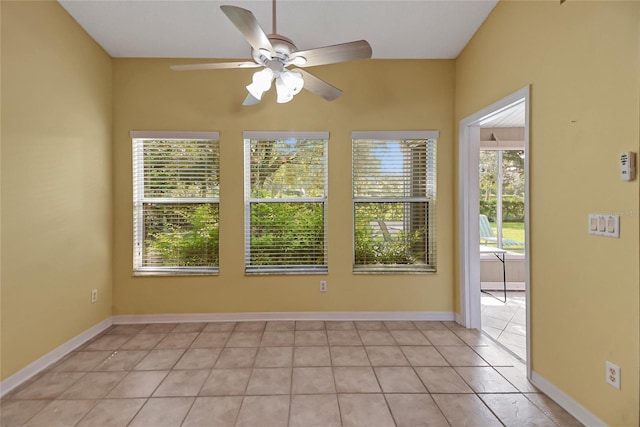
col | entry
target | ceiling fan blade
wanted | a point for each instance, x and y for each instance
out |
(248, 25)
(214, 66)
(250, 100)
(351, 51)
(319, 87)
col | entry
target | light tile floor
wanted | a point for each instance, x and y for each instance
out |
(264, 374)
(506, 323)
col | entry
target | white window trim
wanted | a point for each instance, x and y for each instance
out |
(248, 200)
(387, 136)
(138, 202)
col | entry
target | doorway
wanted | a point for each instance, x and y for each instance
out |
(482, 131)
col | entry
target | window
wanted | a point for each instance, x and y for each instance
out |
(175, 202)
(285, 198)
(394, 194)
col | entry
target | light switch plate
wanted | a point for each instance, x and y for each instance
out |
(604, 225)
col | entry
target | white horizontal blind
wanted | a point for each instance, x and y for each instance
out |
(285, 197)
(394, 194)
(176, 203)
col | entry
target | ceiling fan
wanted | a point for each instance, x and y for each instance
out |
(274, 53)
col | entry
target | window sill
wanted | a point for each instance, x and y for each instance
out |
(176, 272)
(392, 270)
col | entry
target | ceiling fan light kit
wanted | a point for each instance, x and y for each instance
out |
(275, 53)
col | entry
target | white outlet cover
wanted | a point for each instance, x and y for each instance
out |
(613, 374)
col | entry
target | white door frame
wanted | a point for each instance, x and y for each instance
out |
(469, 206)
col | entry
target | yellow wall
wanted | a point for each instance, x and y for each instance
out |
(56, 181)
(379, 95)
(582, 60)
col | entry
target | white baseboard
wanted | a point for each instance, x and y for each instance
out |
(567, 402)
(499, 286)
(32, 369)
(318, 315)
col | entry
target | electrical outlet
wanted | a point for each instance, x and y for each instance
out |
(613, 374)
(323, 286)
(94, 296)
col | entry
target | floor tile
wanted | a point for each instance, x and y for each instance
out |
(211, 339)
(376, 337)
(350, 337)
(109, 342)
(442, 380)
(182, 383)
(497, 356)
(413, 337)
(250, 326)
(442, 337)
(163, 412)
(311, 356)
(349, 356)
(280, 325)
(386, 356)
(219, 327)
(308, 373)
(355, 380)
(213, 411)
(370, 325)
(112, 413)
(157, 360)
(399, 380)
(310, 325)
(138, 384)
(415, 410)
(473, 337)
(143, 342)
(94, 385)
(226, 382)
(517, 377)
(423, 356)
(189, 327)
(516, 410)
(340, 326)
(552, 409)
(465, 410)
(14, 413)
(277, 338)
(61, 413)
(178, 340)
(311, 338)
(130, 329)
(314, 411)
(236, 358)
(312, 381)
(49, 385)
(159, 328)
(364, 410)
(121, 360)
(269, 381)
(274, 357)
(400, 325)
(82, 361)
(272, 411)
(461, 356)
(425, 325)
(485, 380)
(198, 358)
(244, 339)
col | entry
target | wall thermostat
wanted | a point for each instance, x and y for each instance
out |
(628, 166)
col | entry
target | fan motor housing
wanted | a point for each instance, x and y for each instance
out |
(283, 47)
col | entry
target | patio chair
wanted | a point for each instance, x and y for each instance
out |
(487, 236)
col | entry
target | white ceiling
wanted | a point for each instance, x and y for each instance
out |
(396, 29)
